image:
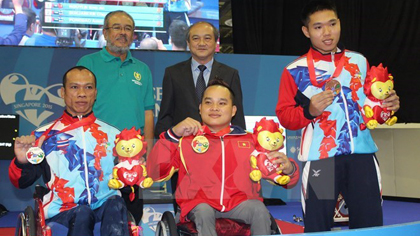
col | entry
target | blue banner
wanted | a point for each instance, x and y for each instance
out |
(30, 80)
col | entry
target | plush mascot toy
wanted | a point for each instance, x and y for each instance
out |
(129, 148)
(377, 86)
(268, 137)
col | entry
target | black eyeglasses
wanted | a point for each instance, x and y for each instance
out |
(119, 28)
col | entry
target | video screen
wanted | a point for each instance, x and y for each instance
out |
(9, 125)
(159, 24)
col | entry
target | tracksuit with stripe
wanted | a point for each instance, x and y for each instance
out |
(338, 156)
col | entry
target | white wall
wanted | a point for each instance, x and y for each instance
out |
(398, 155)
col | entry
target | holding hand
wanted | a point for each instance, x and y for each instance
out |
(283, 161)
(320, 102)
(187, 127)
(392, 102)
(22, 145)
(17, 4)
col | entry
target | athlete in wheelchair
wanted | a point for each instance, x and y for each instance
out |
(74, 157)
(32, 222)
(213, 166)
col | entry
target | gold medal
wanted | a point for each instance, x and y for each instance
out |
(200, 144)
(334, 86)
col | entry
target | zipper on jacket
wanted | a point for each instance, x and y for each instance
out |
(348, 122)
(345, 105)
(223, 174)
(86, 165)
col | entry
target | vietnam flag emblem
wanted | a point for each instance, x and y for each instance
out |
(244, 144)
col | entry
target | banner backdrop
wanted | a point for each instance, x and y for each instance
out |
(30, 80)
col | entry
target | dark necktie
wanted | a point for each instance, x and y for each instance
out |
(201, 84)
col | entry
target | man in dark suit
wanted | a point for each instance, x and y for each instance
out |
(180, 97)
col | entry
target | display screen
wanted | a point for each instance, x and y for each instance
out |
(79, 23)
(91, 15)
(9, 125)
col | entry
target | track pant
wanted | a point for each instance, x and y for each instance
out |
(356, 177)
(251, 212)
(81, 219)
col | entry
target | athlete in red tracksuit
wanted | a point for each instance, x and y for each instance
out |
(214, 176)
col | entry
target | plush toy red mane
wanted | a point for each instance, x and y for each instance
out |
(378, 85)
(376, 74)
(127, 135)
(129, 148)
(265, 125)
(268, 137)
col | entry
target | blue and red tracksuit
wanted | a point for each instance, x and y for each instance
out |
(77, 167)
(337, 131)
(335, 134)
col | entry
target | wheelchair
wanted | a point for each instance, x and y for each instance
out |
(224, 227)
(31, 222)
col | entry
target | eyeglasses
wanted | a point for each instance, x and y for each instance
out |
(119, 28)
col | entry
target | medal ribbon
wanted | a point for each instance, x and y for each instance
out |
(311, 68)
(217, 134)
(75, 125)
(201, 132)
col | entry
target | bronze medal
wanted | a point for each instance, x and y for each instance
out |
(200, 144)
(35, 155)
(334, 86)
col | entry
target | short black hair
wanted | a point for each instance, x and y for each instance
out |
(316, 6)
(42, 20)
(31, 16)
(178, 31)
(80, 68)
(217, 81)
(41, 16)
(215, 31)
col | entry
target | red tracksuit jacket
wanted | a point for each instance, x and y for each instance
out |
(218, 177)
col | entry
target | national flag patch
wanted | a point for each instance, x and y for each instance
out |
(62, 144)
(244, 144)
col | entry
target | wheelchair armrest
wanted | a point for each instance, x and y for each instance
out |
(40, 191)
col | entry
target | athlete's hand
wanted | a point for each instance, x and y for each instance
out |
(320, 102)
(22, 145)
(392, 102)
(282, 160)
(187, 127)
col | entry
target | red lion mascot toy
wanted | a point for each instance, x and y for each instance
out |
(377, 86)
(129, 148)
(268, 137)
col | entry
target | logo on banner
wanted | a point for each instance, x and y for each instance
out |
(32, 102)
(151, 217)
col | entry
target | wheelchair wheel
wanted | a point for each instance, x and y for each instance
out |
(166, 226)
(19, 227)
(274, 227)
(30, 221)
(26, 223)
